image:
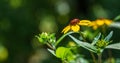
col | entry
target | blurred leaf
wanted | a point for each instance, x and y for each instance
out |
(117, 18)
(80, 60)
(107, 38)
(84, 44)
(3, 53)
(110, 60)
(115, 25)
(96, 39)
(114, 46)
(117, 60)
(16, 3)
(51, 51)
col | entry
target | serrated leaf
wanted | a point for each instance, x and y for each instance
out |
(96, 39)
(114, 46)
(107, 38)
(84, 44)
(51, 51)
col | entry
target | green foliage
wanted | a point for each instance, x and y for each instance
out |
(64, 53)
(96, 39)
(84, 44)
(117, 18)
(97, 46)
(80, 60)
(107, 38)
(101, 44)
(114, 46)
(46, 38)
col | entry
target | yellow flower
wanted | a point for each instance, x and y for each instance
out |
(74, 25)
(100, 22)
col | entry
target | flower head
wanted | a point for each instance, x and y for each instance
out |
(74, 25)
(102, 43)
(100, 22)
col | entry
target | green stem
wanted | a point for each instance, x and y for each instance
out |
(104, 29)
(93, 57)
(99, 58)
(61, 38)
(49, 45)
(110, 56)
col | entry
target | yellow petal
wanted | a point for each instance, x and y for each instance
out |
(108, 22)
(93, 23)
(100, 22)
(66, 29)
(84, 22)
(75, 28)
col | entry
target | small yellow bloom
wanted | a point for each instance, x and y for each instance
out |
(74, 25)
(100, 22)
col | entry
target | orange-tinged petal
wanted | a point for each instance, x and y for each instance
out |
(66, 29)
(75, 28)
(84, 22)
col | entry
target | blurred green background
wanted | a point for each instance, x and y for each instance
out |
(21, 20)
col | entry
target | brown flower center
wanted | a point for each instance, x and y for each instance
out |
(74, 21)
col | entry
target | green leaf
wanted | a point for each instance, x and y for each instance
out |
(64, 53)
(107, 38)
(96, 39)
(117, 18)
(84, 44)
(61, 52)
(115, 25)
(80, 60)
(114, 46)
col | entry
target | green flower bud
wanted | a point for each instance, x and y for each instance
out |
(102, 43)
